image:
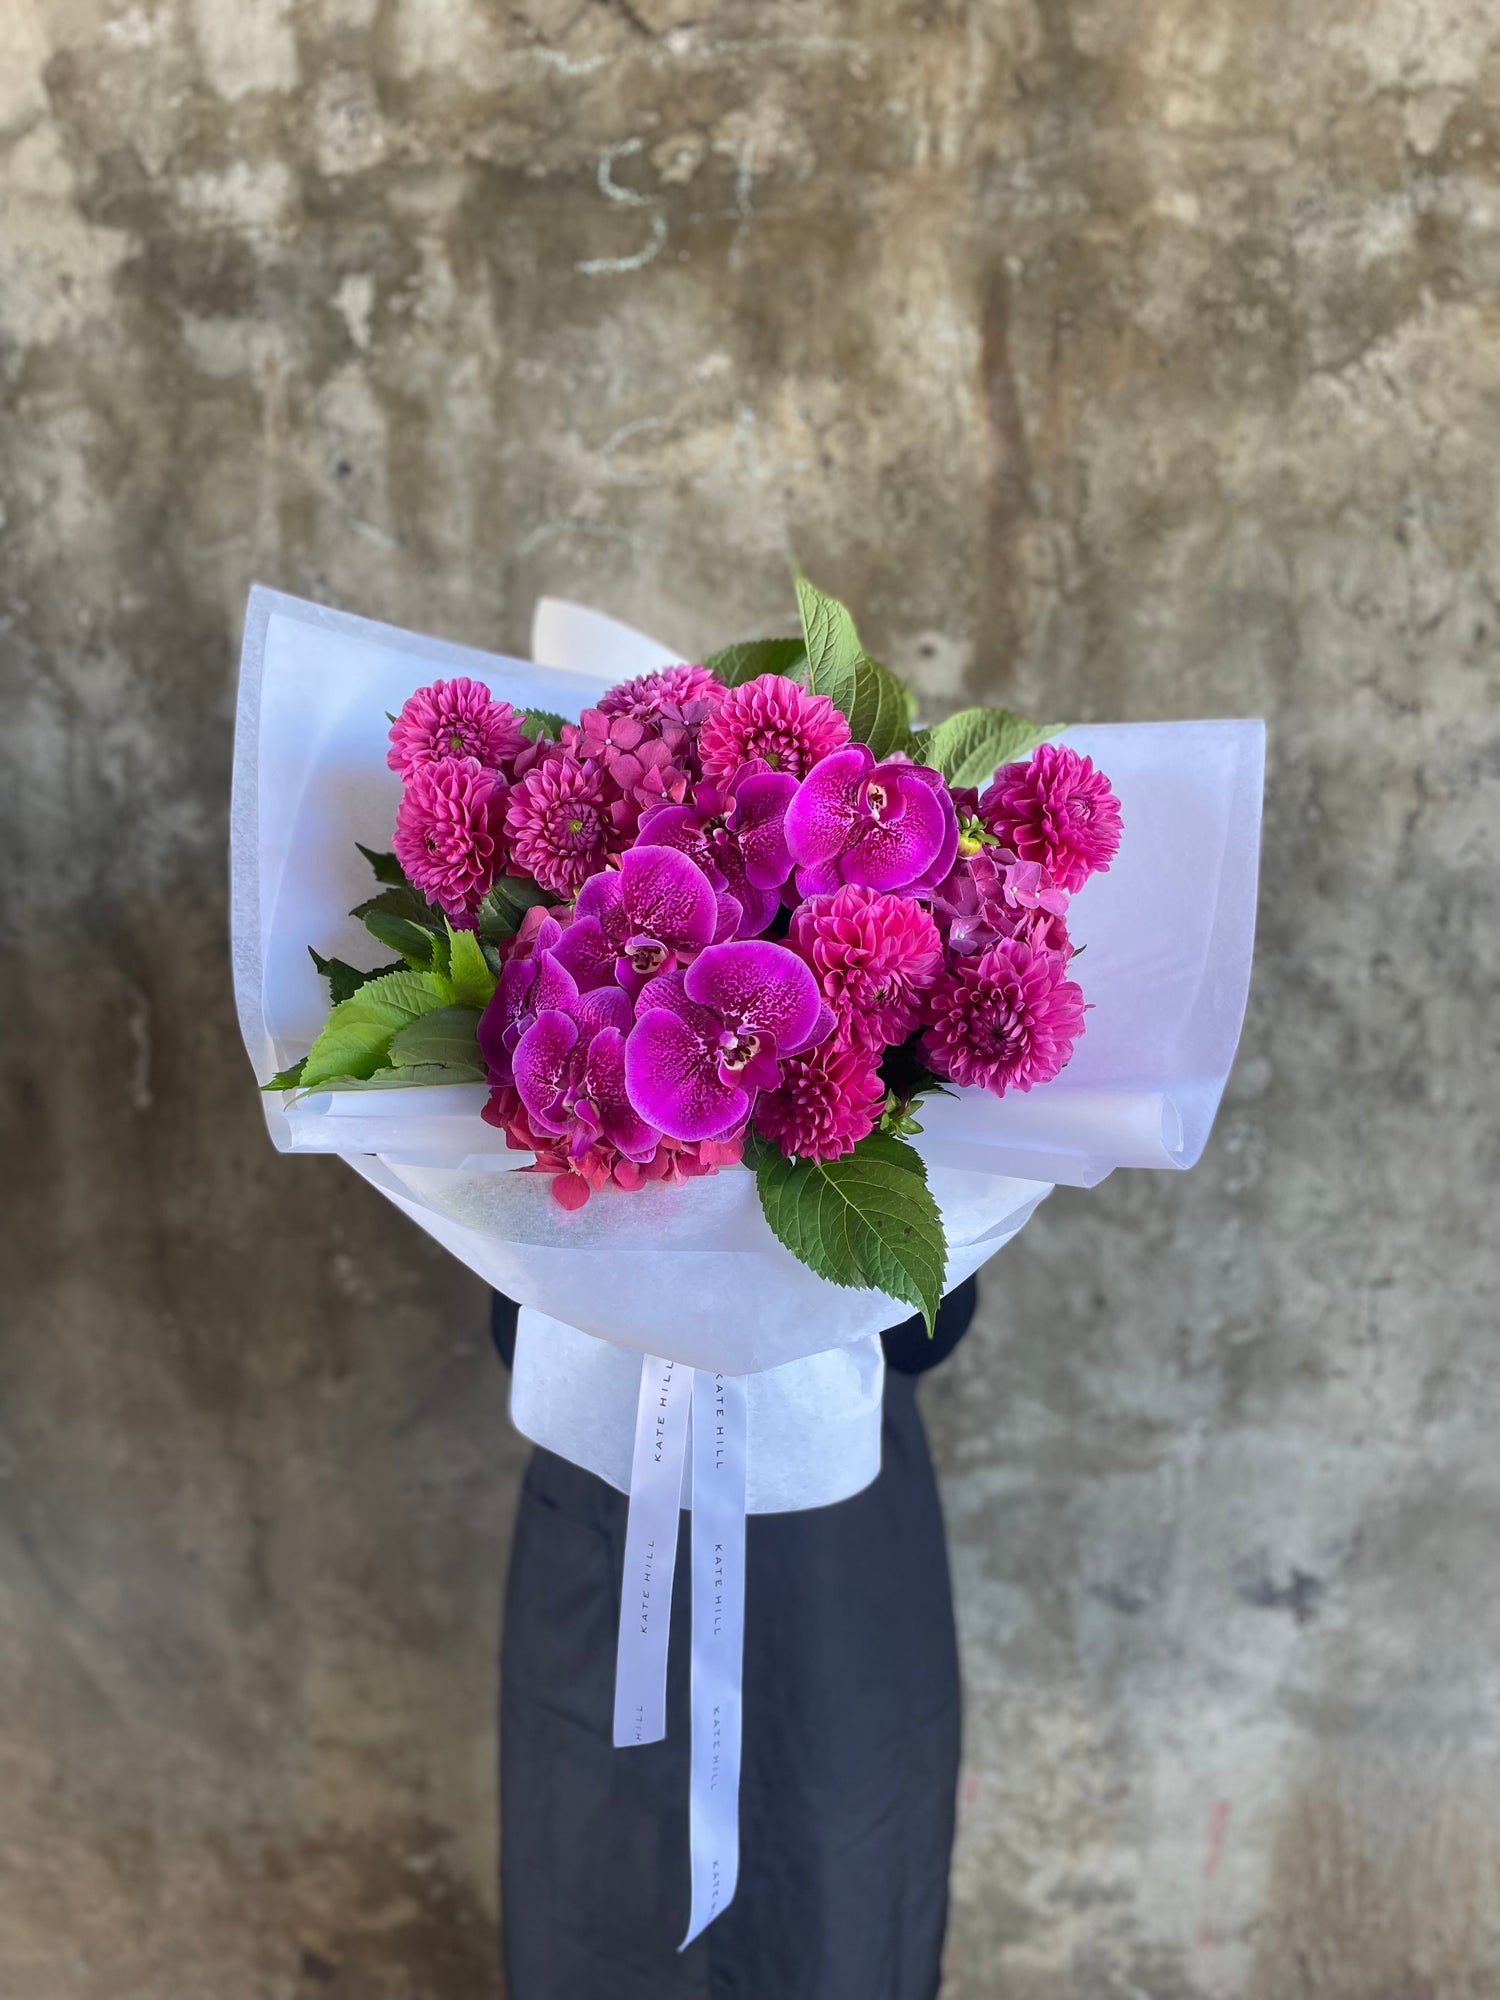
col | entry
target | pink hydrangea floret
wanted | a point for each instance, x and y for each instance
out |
(874, 957)
(681, 694)
(826, 1102)
(448, 832)
(772, 719)
(1055, 809)
(1006, 1020)
(457, 718)
(562, 824)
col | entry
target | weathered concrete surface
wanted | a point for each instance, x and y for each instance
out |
(1123, 360)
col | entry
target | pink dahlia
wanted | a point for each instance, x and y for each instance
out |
(826, 1102)
(561, 824)
(773, 719)
(874, 956)
(1058, 810)
(458, 718)
(1006, 1020)
(681, 694)
(448, 832)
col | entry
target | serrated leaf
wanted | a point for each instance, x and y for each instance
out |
(446, 1038)
(470, 981)
(387, 868)
(510, 897)
(865, 1219)
(541, 722)
(971, 746)
(734, 665)
(402, 901)
(413, 941)
(286, 1079)
(413, 1076)
(343, 978)
(356, 1037)
(869, 694)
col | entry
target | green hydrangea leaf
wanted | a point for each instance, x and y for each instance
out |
(470, 981)
(734, 665)
(387, 868)
(355, 1039)
(411, 1076)
(866, 1219)
(869, 694)
(414, 941)
(500, 914)
(443, 1039)
(401, 901)
(971, 746)
(287, 1079)
(343, 978)
(537, 722)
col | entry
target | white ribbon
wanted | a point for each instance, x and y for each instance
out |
(661, 1430)
(718, 1643)
(718, 1404)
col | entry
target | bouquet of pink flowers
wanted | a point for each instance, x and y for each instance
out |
(742, 910)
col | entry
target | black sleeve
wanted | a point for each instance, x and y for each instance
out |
(907, 1347)
(503, 1313)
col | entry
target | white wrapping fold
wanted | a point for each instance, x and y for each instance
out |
(786, 1366)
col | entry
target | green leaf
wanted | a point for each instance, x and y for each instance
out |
(286, 1079)
(541, 722)
(356, 1037)
(445, 1038)
(470, 981)
(837, 665)
(412, 1076)
(387, 868)
(413, 941)
(401, 901)
(865, 1219)
(734, 665)
(506, 904)
(344, 979)
(971, 746)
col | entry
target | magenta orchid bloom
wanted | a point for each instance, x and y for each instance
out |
(736, 835)
(884, 826)
(570, 1073)
(560, 965)
(656, 909)
(707, 1039)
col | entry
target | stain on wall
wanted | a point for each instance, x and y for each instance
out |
(1115, 361)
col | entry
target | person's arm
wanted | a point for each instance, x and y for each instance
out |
(907, 1347)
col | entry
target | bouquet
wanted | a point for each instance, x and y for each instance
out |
(720, 1014)
(738, 911)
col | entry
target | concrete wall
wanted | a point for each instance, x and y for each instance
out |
(1120, 360)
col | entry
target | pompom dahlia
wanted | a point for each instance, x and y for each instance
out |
(458, 718)
(448, 832)
(1058, 810)
(679, 694)
(1006, 1020)
(826, 1102)
(563, 827)
(775, 720)
(874, 956)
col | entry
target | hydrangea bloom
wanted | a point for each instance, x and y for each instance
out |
(563, 826)
(992, 895)
(448, 832)
(458, 718)
(706, 1040)
(647, 764)
(775, 721)
(828, 1099)
(874, 956)
(1006, 1020)
(889, 826)
(1055, 809)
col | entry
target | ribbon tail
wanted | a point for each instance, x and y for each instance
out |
(661, 1430)
(719, 1426)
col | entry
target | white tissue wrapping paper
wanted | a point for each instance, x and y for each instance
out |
(693, 1273)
